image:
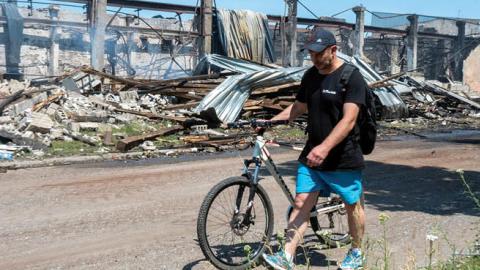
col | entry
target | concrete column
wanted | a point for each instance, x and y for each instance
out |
(206, 28)
(13, 44)
(292, 33)
(98, 23)
(359, 31)
(412, 42)
(283, 42)
(132, 54)
(394, 57)
(440, 57)
(459, 49)
(54, 46)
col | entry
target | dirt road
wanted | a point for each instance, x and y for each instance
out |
(142, 215)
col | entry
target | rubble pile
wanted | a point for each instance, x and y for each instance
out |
(106, 113)
(89, 106)
(433, 107)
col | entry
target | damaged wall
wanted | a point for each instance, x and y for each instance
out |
(471, 67)
(150, 54)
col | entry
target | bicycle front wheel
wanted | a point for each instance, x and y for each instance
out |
(231, 236)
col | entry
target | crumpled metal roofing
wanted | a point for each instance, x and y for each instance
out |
(243, 34)
(389, 97)
(229, 97)
(210, 61)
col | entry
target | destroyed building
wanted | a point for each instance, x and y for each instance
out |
(88, 77)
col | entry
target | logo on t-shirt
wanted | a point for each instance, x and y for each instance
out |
(330, 92)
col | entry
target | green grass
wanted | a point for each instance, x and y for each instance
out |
(136, 128)
(139, 127)
(288, 133)
(468, 263)
(64, 148)
(168, 141)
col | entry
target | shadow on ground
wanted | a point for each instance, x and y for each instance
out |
(394, 187)
(432, 190)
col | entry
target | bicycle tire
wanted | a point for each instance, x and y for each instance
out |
(202, 221)
(340, 237)
(331, 240)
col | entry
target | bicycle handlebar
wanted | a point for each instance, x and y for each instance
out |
(257, 123)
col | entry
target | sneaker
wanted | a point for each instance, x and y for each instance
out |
(353, 260)
(278, 261)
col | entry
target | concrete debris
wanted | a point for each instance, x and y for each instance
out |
(8, 88)
(22, 106)
(81, 82)
(93, 141)
(108, 113)
(148, 146)
(128, 97)
(40, 123)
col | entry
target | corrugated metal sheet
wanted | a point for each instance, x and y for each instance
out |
(230, 96)
(243, 34)
(392, 104)
(212, 61)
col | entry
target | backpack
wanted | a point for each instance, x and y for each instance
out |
(366, 126)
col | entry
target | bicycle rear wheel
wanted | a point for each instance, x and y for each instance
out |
(225, 233)
(331, 227)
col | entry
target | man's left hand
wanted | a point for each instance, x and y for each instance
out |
(316, 156)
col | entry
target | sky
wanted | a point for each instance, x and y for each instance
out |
(444, 8)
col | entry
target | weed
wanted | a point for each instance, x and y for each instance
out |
(248, 252)
(68, 148)
(468, 190)
(383, 219)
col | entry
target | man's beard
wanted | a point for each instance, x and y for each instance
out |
(325, 65)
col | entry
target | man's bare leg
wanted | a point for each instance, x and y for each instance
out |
(356, 222)
(297, 225)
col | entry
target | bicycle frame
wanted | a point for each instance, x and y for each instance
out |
(262, 155)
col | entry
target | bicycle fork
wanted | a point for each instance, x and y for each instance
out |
(248, 218)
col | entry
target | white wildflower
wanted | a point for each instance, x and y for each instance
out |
(431, 237)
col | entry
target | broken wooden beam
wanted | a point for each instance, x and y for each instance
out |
(188, 96)
(182, 106)
(41, 105)
(133, 141)
(188, 79)
(151, 115)
(153, 85)
(437, 89)
(275, 89)
(127, 82)
(382, 81)
(272, 106)
(8, 100)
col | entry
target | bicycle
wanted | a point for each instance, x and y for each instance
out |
(242, 206)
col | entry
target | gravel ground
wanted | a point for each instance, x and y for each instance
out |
(142, 214)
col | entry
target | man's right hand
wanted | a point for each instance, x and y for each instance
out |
(260, 130)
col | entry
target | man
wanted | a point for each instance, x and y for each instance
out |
(332, 159)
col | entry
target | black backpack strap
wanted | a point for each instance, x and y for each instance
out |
(344, 79)
(346, 74)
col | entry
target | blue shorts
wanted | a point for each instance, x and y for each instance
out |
(347, 184)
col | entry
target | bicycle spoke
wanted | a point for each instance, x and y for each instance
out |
(224, 203)
(228, 232)
(221, 215)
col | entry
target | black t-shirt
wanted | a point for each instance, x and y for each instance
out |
(325, 97)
